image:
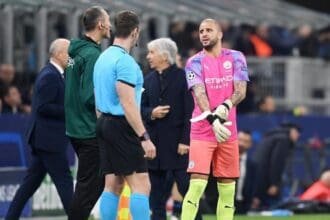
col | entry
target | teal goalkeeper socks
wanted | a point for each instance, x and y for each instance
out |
(139, 206)
(109, 206)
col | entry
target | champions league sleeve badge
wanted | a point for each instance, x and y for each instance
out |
(191, 75)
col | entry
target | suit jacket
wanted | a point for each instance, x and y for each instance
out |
(249, 184)
(270, 157)
(174, 128)
(46, 128)
(249, 181)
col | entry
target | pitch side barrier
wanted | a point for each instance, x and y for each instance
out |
(310, 157)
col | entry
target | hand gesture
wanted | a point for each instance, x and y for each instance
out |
(149, 149)
(183, 149)
(221, 132)
(160, 111)
(222, 111)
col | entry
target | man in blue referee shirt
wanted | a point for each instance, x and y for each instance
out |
(124, 143)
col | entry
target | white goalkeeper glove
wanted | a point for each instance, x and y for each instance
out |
(220, 131)
(222, 111)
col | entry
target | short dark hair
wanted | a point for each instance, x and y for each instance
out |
(125, 23)
(289, 125)
(92, 16)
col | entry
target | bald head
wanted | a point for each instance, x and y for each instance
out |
(58, 51)
(58, 45)
(212, 21)
(325, 178)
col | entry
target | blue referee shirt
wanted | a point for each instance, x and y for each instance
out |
(114, 65)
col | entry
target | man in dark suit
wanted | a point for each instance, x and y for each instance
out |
(246, 181)
(46, 134)
(271, 157)
(166, 109)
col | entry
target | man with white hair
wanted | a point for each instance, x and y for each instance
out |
(166, 109)
(46, 134)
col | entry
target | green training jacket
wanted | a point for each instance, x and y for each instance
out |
(80, 116)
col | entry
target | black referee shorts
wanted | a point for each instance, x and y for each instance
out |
(121, 152)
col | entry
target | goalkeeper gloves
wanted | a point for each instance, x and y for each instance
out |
(222, 111)
(220, 131)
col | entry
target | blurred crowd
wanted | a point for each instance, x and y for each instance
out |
(276, 146)
(261, 40)
(15, 91)
(16, 94)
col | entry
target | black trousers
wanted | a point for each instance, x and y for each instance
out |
(241, 207)
(57, 166)
(161, 187)
(89, 184)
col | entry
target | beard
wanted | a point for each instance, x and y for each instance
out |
(210, 46)
(107, 33)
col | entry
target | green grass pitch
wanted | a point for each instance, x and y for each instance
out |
(294, 217)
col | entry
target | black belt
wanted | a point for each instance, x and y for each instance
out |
(108, 115)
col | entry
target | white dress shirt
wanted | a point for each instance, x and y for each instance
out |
(240, 182)
(58, 67)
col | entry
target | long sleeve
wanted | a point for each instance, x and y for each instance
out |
(47, 91)
(86, 83)
(146, 109)
(188, 108)
(278, 161)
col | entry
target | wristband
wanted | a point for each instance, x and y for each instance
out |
(228, 104)
(144, 137)
(211, 118)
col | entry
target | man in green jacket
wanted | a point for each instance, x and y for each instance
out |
(80, 113)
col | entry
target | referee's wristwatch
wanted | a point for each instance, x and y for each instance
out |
(144, 137)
